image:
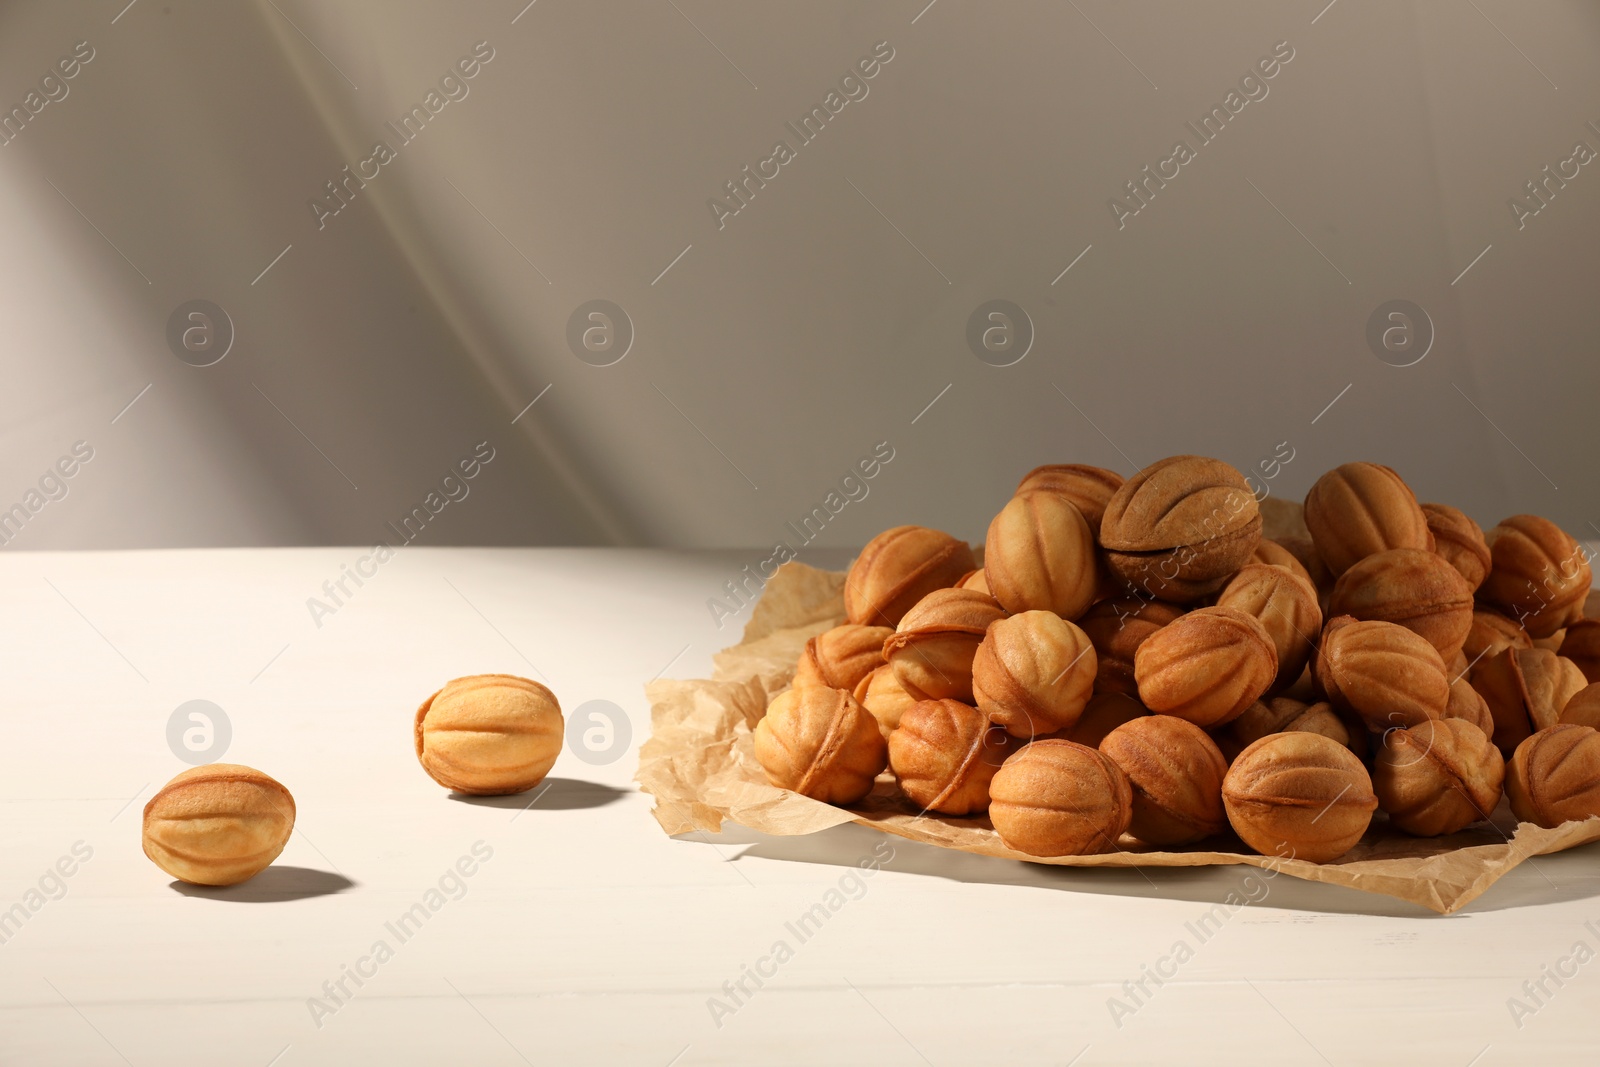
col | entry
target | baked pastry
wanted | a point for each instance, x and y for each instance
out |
(1175, 771)
(1179, 528)
(1088, 488)
(1299, 796)
(1358, 509)
(1467, 704)
(1264, 717)
(1275, 555)
(1057, 798)
(822, 744)
(1581, 645)
(841, 657)
(1033, 674)
(1459, 541)
(1437, 777)
(1554, 776)
(1526, 690)
(884, 696)
(898, 568)
(1104, 713)
(1490, 632)
(931, 650)
(1039, 554)
(489, 734)
(1583, 707)
(975, 580)
(1286, 607)
(1341, 726)
(1540, 575)
(1207, 666)
(1382, 672)
(1116, 628)
(1419, 590)
(1304, 549)
(218, 824)
(944, 753)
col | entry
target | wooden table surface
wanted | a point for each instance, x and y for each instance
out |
(585, 935)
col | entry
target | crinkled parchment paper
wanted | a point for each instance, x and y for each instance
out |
(700, 765)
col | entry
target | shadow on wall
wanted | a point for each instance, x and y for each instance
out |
(241, 377)
(372, 347)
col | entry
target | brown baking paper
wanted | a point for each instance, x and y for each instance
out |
(700, 765)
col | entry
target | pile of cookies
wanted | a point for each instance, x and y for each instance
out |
(1134, 657)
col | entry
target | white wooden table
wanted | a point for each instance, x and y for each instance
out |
(588, 936)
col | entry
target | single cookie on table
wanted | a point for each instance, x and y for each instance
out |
(1437, 777)
(1554, 776)
(1175, 771)
(489, 734)
(820, 743)
(1033, 673)
(1299, 796)
(944, 754)
(218, 825)
(1057, 798)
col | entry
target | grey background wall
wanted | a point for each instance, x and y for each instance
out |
(773, 348)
